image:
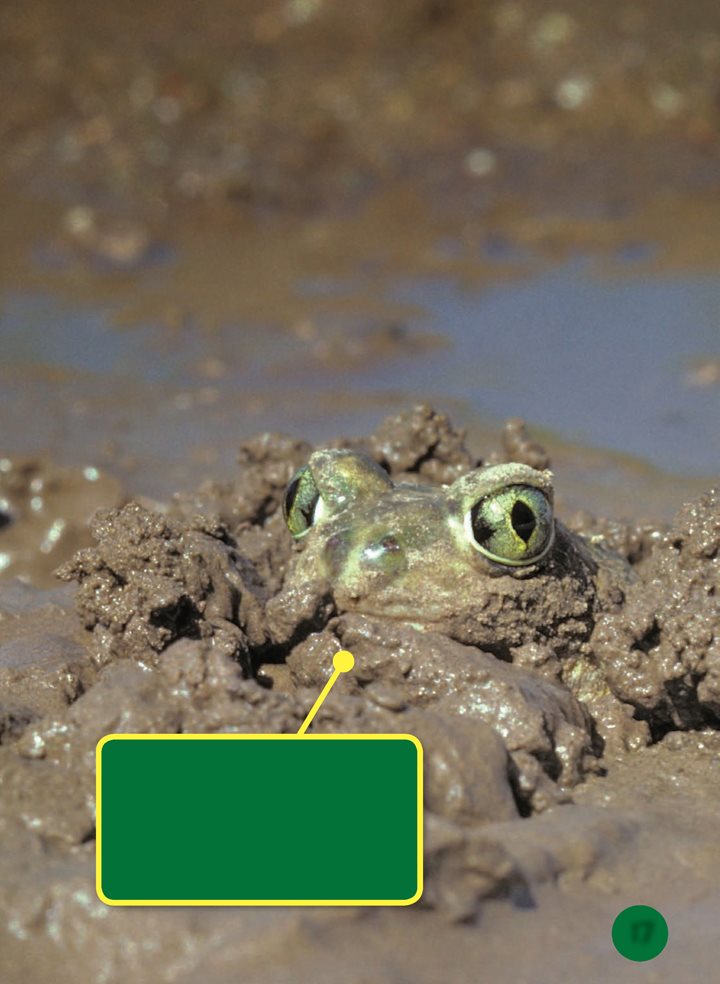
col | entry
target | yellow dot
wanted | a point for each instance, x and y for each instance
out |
(343, 661)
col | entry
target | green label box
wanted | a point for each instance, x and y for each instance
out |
(259, 819)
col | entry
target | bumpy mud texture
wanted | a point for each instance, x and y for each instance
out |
(662, 652)
(150, 581)
(175, 627)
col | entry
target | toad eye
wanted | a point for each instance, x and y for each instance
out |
(302, 503)
(513, 526)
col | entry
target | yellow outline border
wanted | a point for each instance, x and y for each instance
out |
(257, 902)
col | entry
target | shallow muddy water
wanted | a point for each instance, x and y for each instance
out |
(626, 364)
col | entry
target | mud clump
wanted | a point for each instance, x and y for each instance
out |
(547, 734)
(421, 442)
(520, 446)
(266, 464)
(661, 653)
(151, 580)
(249, 506)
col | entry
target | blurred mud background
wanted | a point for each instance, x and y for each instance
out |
(224, 218)
(302, 214)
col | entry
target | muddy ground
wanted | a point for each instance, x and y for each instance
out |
(544, 816)
(299, 218)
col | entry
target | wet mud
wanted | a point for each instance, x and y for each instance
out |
(168, 621)
(231, 238)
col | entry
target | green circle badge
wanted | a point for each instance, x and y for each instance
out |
(640, 933)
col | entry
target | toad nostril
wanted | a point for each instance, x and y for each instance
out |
(385, 554)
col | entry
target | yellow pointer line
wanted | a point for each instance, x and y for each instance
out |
(343, 662)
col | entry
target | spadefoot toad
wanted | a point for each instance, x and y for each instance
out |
(483, 560)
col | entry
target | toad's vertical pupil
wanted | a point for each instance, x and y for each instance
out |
(291, 494)
(523, 520)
